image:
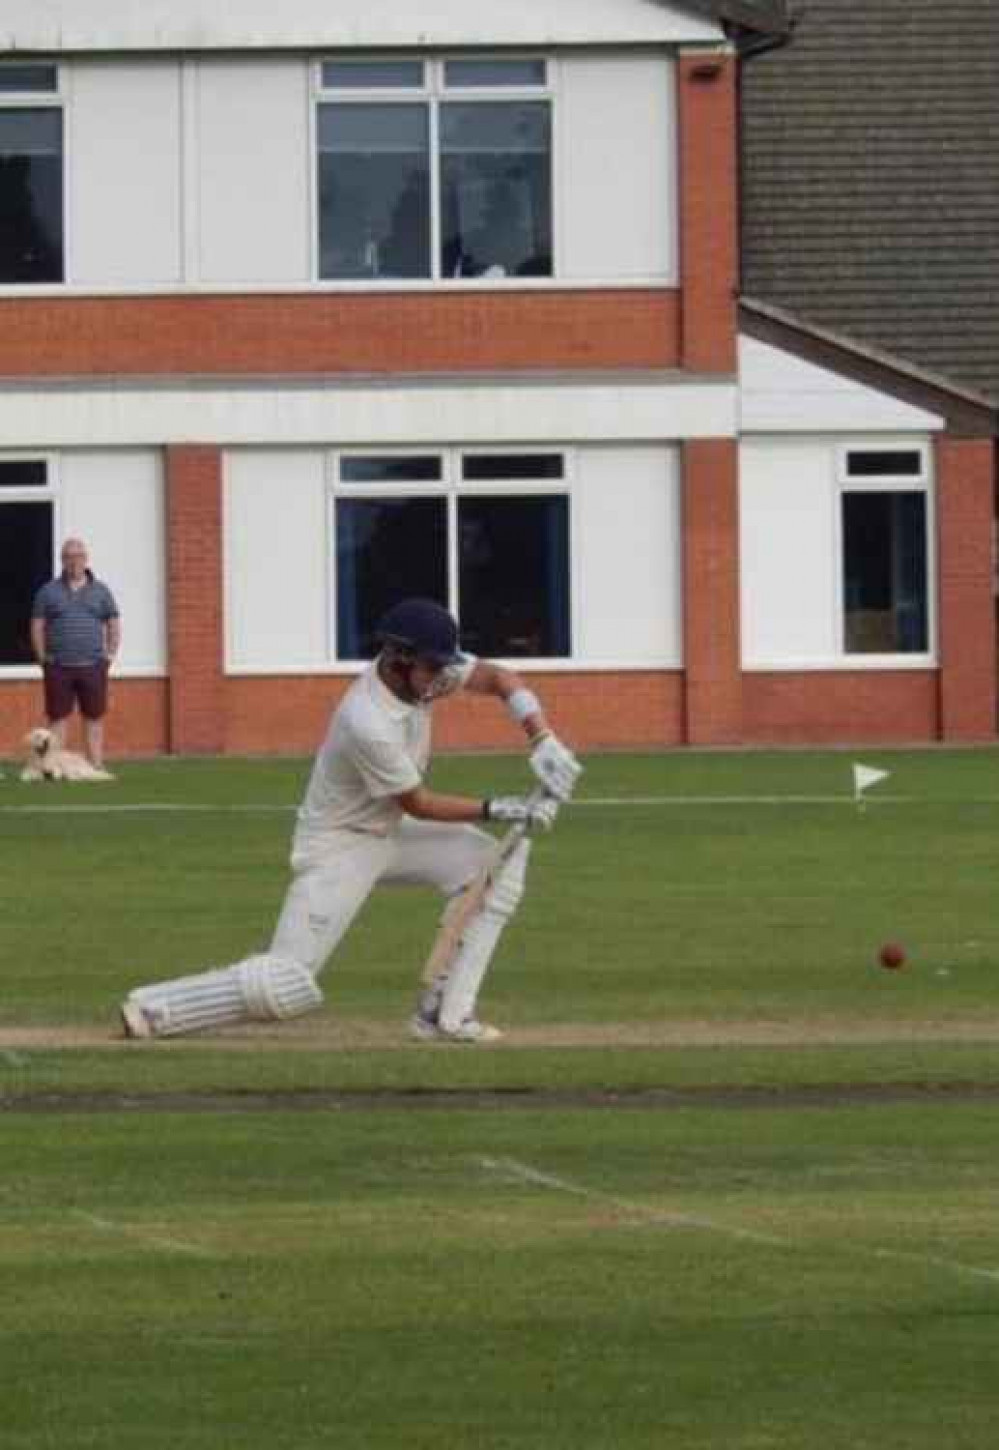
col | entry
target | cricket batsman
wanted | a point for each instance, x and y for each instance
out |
(368, 819)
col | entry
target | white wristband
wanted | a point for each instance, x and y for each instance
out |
(523, 703)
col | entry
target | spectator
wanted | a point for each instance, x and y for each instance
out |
(75, 634)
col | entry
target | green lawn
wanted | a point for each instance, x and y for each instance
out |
(498, 1279)
(656, 1215)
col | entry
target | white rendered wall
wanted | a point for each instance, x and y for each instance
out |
(53, 26)
(788, 530)
(114, 501)
(780, 393)
(616, 169)
(791, 554)
(201, 173)
(276, 551)
(625, 531)
(253, 160)
(124, 215)
(628, 564)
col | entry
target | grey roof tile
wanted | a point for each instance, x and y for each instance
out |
(871, 178)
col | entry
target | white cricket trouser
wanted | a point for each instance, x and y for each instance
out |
(328, 891)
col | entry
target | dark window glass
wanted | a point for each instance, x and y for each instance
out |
(344, 75)
(23, 473)
(25, 565)
(415, 468)
(494, 73)
(496, 189)
(514, 576)
(387, 549)
(885, 463)
(374, 191)
(884, 573)
(31, 220)
(477, 467)
(24, 79)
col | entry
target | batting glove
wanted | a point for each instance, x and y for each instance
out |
(536, 815)
(555, 766)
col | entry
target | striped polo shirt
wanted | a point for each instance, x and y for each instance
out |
(74, 619)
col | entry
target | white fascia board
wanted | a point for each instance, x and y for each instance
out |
(64, 26)
(121, 414)
(780, 393)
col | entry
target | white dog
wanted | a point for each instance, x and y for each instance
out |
(45, 761)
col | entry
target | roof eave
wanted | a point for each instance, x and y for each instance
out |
(968, 414)
(763, 17)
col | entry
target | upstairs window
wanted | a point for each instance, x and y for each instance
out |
(434, 169)
(31, 174)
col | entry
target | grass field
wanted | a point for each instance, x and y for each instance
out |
(725, 1183)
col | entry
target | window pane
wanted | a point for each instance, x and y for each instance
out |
(372, 74)
(884, 463)
(511, 466)
(27, 78)
(374, 191)
(416, 468)
(494, 73)
(387, 549)
(884, 570)
(496, 189)
(30, 196)
(25, 565)
(23, 473)
(514, 573)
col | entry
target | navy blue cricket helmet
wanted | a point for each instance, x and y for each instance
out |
(423, 629)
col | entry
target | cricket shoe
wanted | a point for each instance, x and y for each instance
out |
(134, 1020)
(424, 1029)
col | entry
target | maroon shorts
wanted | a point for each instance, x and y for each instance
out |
(86, 685)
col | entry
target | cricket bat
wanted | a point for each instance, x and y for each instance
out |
(468, 903)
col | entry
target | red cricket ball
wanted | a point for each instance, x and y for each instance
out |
(892, 955)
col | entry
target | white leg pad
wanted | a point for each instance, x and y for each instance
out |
(275, 988)
(261, 989)
(481, 937)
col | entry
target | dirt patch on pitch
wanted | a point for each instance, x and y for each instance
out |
(326, 1033)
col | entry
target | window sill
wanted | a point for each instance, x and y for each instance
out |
(843, 664)
(375, 286)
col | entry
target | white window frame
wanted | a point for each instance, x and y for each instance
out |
(54, 100)
(434, 93)
(50, 493)
(452, 487)
(922, 482)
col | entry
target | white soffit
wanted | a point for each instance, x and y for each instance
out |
(54, 26)
(119, 414)
(779, 393)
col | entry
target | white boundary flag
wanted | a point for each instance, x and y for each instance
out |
(864, 776)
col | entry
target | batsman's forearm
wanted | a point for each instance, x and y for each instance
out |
(429, 805)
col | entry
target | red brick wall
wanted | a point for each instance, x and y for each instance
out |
(711, 591)
(136, 721)
(708, 213)
(965, 483)
(339, 333)
(194, 593)
(832, 707)
(634, 710)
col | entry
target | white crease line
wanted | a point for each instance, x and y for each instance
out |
(600, 802)
(524, 1173)
(155, 1241)
(990, 1274)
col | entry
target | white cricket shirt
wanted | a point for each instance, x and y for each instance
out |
(376, 748)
